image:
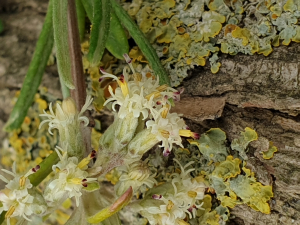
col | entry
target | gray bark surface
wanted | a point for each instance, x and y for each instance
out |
(261, 93)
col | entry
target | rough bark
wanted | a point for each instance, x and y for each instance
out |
(261, 93)
(255, 91)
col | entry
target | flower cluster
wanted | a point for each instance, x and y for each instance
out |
(67, 119)
(19, 198)
(135, 175)
(140, 94)
(70, 178)
(171, 202)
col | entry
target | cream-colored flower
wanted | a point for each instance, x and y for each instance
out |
(134, 175)
(15, 198)
(70, 178)
(66, 114)
(168, 128)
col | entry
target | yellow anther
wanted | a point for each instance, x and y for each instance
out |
(124, 87)
(192, 194)
(75, 181)
(22, 181)
(84, 162)
(185, 133)
(10, 211)
(164, 113)
(57, 170)
(155, 93)
(164, 133)
(162, 87)
(170, 205)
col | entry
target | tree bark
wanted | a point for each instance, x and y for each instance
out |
(249, 91)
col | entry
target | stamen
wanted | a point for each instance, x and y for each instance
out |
(75, 180)
(22, 181)
(164, 113)
(162, 87)
(128, 60)
(123, 85)
(170, 205)
(86, 160)
(35, 169)
(188, 133)
(164, 133)
(10, 211)
(156, 196)
(155, 93)
(166, 153)
(192, 194)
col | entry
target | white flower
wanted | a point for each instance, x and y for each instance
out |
(138, 93)
(15, 198)
(134, 175)
(187, 190)
(162, 212)
(168, 128)
(69, 180)
(66, 114)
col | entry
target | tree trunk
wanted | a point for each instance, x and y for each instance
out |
(249, 91)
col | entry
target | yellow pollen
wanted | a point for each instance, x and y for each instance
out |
(164, 133)
(185, 133)
(155, 93)
(192, 194)
(10, 211)
(170, 205)
(57, 170)
(75, 180)
(22, 181)
(164, 113)
(84, 162)
(124, 87)
(162, 87)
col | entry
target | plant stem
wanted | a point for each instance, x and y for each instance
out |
(79, 93)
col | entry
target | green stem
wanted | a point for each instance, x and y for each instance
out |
(143, 43)
(34, 75)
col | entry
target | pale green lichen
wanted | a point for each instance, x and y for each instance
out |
(225, 175)
(177, 29)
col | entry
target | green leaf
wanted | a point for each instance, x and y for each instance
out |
(60, 26)
(80, 11)
(112, 209)
(45, 169)
(145, 46)
(117, 43)
(100, 31)
(88, 6)
(34, 75)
